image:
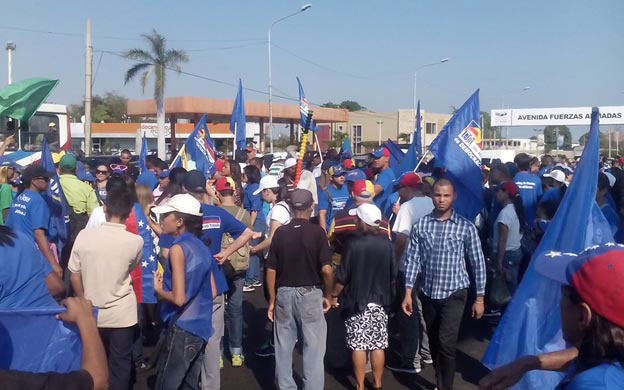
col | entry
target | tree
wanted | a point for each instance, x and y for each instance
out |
(604, 142)
(156, 61)
(337, 139)
(404, 138)
(550, 141)
(108, 108)
(350, 105)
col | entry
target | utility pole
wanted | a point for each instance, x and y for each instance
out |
(10, 46)
(88, 81)
(609, 135)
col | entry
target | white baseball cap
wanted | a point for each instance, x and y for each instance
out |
(182, 203)
(269, 181)
(290, 162)
(610, 177)
(556, 175)
(369, 213)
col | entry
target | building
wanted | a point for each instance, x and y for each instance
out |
(368, 129)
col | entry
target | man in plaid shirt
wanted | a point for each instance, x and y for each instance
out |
(436, 254)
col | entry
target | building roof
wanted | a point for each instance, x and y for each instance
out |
(221, 109)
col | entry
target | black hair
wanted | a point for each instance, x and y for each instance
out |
(193, 223)
(151, 161)
(523, 161)
(115, 182)
(533, 161)
(226, 192)
(283, 193)
(603, 182)
(253, 174)
(125, 151)
(237, 176)
(444, 181)
(603, 341)
(175, 184)
(7, 236)
(549, 208)
(119, 202)
(519, 207)
(162, 165)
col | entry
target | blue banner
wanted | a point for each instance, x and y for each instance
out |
(143, 155)
(237, 121)
(345, 149)
(531, 324)
(396, 155)
(58, 229)
(198, 151)
(458, 149)
(304, 108)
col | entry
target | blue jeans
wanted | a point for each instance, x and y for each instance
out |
(511, 264)
(234, 311)
(180, 362)
(300, 310)
(253, 272)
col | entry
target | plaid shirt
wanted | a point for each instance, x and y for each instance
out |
(436, 252)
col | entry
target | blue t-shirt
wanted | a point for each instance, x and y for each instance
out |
(554, 193)
(22, 275)
(253, 202)
(28, 212)
(385, 179)
(215, 222)
(198, 264)
(530, 187)
(339, 197)
(606, 376)
(612, 217)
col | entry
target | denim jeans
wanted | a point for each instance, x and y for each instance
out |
(253, 272)
(180, 362)
(234, 311)
(210, 371)
(511, 264)
(300, 310)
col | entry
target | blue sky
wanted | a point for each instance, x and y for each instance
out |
(568, 52)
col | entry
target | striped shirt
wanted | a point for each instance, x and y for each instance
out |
(436, 252)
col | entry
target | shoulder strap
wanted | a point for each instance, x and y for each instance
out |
(240, 213)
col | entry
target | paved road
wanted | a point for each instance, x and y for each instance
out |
(258, 373)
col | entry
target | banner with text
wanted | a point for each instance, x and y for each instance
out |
(570, 116)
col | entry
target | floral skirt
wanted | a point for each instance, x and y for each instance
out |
(368, 330)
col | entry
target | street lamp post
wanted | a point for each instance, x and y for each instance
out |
(503, 107)
(10, 46)
(379, 123)
(303, 8)
(443, 60)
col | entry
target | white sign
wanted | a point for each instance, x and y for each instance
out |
(151, 130)
(571, 116)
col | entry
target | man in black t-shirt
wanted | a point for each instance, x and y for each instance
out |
(299, 263)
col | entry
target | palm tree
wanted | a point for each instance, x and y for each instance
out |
(157, 60)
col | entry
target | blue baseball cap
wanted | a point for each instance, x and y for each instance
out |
(148, 179)
(355, 175)
(85, 176)
(382, 151)
(11, 164)
(336, 170)
(164, 174)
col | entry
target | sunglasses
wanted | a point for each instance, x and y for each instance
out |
(119, 167)
(41, 178)
(101, 172)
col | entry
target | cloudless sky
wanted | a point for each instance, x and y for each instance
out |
(568, 51)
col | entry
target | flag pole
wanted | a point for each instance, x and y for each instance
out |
(182, 150)
(318, 147)
(234, 142)
(421, 160)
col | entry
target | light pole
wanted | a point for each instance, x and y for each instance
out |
(503, 107)
(303, 8)
(10, 46)
(379, 123)
(443, 60)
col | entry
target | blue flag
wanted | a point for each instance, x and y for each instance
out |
(198, 151)
(58, 228)
(531, 324)
(237, 121)
(143, 155)
(410, 160)
(418, 133)
(345, 149)
(149, 259)
(34, 340)
(304, 108)
(458, 149)
(396, 155)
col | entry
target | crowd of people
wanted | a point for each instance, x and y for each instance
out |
(327, 233)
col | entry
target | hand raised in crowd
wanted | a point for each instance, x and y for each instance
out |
(77, 309)
(477, 308)
(10, 140)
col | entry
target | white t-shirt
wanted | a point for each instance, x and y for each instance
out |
(280, 212)
(307, 181)
(96, 218)
(410, 212)
(509, 218)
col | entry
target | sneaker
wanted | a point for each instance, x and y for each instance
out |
(237, 360)
(407, 368)
(267, 349)
(426, 359)
(257, 283)
(249, 288)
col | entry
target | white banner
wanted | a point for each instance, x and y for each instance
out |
(151, 130)
(571, 116)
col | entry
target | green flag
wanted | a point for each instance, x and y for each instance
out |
(21, 100)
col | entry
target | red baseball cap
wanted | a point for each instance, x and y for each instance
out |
(225, 183)
(219, 164)
(511, 188)
(596, 274)
(410, 179)
(347, 164)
